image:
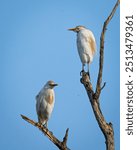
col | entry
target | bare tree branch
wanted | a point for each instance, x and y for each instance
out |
(101, 61)
(106, 128)
(61, 145)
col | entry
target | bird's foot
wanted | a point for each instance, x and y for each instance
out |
(81, 72)
(45, 125)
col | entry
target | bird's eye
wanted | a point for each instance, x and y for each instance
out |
(77, 29)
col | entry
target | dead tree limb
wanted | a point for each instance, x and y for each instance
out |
(61, 145)
(101, 60)
(106, 128)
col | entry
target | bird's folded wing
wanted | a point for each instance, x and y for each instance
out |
(92, 45)
(50, 99)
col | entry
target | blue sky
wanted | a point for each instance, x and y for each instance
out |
(35, 46)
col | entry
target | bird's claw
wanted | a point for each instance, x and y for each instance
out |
(45, 125)
(81, 72)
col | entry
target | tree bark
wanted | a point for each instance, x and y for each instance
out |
(106, 128)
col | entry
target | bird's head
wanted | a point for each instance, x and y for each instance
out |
(50, 84)
(77, 28)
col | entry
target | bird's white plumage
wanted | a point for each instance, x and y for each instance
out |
(86, 45)
(86, 52)
(45, 102)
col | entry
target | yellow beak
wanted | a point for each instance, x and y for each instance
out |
(72, 29)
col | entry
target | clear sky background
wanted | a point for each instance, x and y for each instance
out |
(35, 46)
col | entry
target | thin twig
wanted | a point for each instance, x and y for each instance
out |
(103, 86)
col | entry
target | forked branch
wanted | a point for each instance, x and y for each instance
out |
(106, 128)
(62, 145)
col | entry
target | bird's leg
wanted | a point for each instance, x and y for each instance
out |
(81, 72)
(45, 124)
(88, 70)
